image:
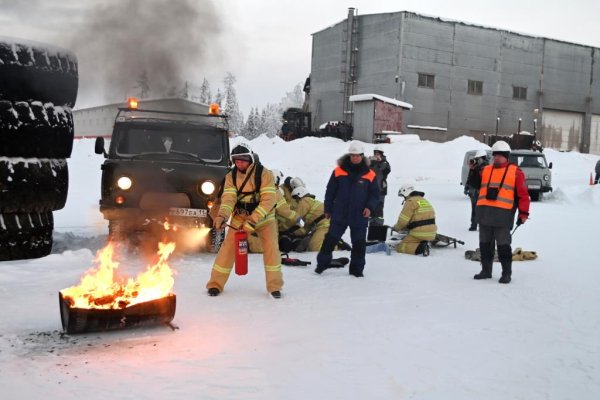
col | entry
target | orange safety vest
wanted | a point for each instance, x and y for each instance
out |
(370, 176)
(492, 178)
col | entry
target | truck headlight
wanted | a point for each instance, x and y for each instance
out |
(546, 178)
(124, 183)
(207, 187)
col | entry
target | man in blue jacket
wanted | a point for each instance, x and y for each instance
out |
(351, 197)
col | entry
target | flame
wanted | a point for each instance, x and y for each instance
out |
(102, 288)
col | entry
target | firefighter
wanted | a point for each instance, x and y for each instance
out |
(381, 166)
(476, 165)
(286, 217)
(418, 217)
(312, 213)
(503, 190)
(249, 197)
(351, 197)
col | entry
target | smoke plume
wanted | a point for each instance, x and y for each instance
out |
(120, 41)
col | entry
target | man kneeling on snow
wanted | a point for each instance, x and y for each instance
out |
(418, 216)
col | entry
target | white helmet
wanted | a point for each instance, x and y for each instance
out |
(405, 190)
(277, 176)
(501, 147)
(296, 182)
(299, 192)
(356, 147)
(480, 153)
(378, 148)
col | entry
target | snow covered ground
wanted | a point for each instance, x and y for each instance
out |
(413, 328)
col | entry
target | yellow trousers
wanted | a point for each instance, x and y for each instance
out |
(223, 264)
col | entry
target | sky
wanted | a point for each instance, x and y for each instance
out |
(414, 327)
(266, 44)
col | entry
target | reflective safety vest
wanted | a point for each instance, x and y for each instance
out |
(504, 180)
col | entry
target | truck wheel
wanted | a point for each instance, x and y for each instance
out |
(117, 231)
(25, 235)
(32, 129)
(33, 185)
(216, 239)
(535, 196)
(37, 72)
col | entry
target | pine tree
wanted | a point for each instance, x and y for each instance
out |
(205, 94)
(143, 85)
(219, 97)
(250, 128)
(231, 107)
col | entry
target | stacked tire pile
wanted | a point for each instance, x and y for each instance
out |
(38, 87)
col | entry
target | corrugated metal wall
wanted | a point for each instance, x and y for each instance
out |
(394, 48)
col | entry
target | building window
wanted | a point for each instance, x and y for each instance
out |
(519, 93)
(475, 87)
(426, 80)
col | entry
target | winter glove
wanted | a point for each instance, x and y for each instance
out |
(248, 227)
(218, 223)
(522, 218)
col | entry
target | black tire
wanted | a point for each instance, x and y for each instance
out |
(535, 196)
(31, 71)
(25, 235)
(33, 129)
(118, 231)
(33, 185)
(216, 239)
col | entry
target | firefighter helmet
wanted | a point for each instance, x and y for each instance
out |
(406, 190)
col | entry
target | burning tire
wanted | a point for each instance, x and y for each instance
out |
(33, 185)
(33, 129)
(25, 235)
(37, 71)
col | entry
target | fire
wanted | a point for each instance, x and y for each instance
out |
(103, 288)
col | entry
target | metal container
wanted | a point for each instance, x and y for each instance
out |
(82, 320)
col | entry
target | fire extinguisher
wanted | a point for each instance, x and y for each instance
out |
(241, 252)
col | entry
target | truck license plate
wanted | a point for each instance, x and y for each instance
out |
(188, 212)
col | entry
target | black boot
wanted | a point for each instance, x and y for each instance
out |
(213, 291)
(487, 260)
(505, 257)
(473, 227)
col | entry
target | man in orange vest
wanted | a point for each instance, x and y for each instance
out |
(352, 195)
(503, 191)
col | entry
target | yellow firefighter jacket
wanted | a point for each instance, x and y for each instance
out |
(418, 216)
(248, 202)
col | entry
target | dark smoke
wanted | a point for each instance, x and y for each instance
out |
(168, 40)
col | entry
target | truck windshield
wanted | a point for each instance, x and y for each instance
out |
(528, 161)
(202, 143)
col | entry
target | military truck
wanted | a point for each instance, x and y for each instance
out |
(162, 175)
(538, 174)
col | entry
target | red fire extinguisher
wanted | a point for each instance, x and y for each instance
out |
(241, 252)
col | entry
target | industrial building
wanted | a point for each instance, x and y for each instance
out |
(98, 121)
(461, 78)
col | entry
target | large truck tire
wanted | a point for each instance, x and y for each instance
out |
(35, 71)
(33, 185)
(25, 235)
(33, 129)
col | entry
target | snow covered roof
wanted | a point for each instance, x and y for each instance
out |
(429, 128)
(370, 96)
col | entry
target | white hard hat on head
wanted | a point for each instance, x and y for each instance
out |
(356, 147)
(277, 176)
(501, 147)
(405, 190)
(300, 192)
(296, 182)
(480, 153)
